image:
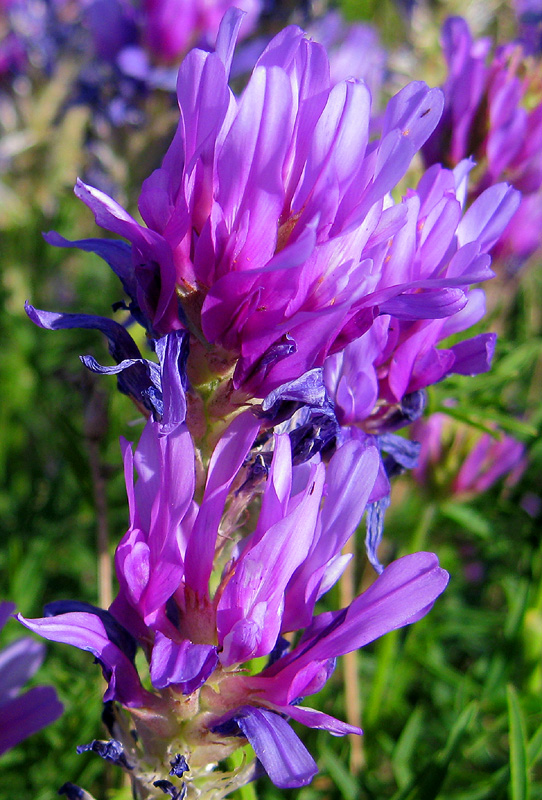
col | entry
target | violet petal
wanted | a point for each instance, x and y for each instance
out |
(285, 759)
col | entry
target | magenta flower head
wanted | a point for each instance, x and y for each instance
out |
(461, 462)
(264, 226)
(206, 594)
(23, 714)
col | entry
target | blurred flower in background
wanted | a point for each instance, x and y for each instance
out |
(493, 113)
(354, 51)
(529, 14)
(22, 714)
(463, 462)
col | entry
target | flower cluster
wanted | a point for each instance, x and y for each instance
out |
(492, 112)
(270, 232)
(110, 29)
(295, 307)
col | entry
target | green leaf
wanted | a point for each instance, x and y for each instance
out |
(404, 749)
(468, 518)
(428, 782)
(345, 782)
(519, 771)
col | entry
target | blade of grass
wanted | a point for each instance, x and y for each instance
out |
(402, 755)
(428, 782)
(344, 780)
(519, 771)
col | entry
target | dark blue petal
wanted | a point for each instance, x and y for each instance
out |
(413, 405)
(227, 727)
(281, 647)
(285, 347)
(116, 632)
(158, 387)
(173, 613)
(121, 344)
(109, 717)
(168, 788)
(112, 751)
(117, 254)
(318, 435)
(308, 390)
(374, 521)
(179, 766)
(74, 792)
(257, 470)
(172, 351)
(411, 408)
(136, 378)
(402, 451)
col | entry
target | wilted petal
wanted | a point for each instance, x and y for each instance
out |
(172, 350)
(317, 719)
(134, 372)
(375, 530)
(121, 344)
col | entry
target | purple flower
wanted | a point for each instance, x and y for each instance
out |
(23, 714)
(485, 116)
(203, 595)
(266, 222)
